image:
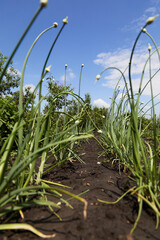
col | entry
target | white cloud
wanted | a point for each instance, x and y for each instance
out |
(100, 103)
(155, 2)
(139, 22)
(31, 86)
(13, 71)
(7, 95)
(69, 76)
(120, 59)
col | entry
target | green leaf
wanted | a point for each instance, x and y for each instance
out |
(24, 226)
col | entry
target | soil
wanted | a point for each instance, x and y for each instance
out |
(104, 221)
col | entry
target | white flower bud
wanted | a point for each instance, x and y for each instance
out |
(65, 65)
(65, 20)
(82, 65)
(43, 3)
(98, 77)
(98, 163)
(77, 122)
(99, 131)
(151, 19)
(144, 30)
(55, 24)
(149, 47)
(48, 68)
(103, 116)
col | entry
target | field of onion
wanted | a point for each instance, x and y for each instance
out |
(25, 153)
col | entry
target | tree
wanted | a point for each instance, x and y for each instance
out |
(8, 117)
(88, 99)
(28, 98)
(99, 115)
(9, 100)
(73, 108)
(10, 80)
(54, 89)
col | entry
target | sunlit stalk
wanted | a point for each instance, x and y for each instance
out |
(20, 132)
(153, 118)
(39, 109)
(5, 156)
(79, 89)
(65, 94)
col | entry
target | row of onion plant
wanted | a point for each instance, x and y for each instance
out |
(20, 178)
(124, 135)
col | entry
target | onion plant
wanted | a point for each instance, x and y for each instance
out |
(42, 5)
(123, 134)
(21, 179)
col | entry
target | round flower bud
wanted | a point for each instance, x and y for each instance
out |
(143, 30)
(77, 122)
(149, 47)
(98, 163)
(151, 19)
(65, 20)
(48, 68)
(99, 131)
(43, 3)
(55, 24)
(98, 77)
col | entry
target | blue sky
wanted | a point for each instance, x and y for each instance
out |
(99, 34)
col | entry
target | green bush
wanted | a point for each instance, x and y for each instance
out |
(8, 117)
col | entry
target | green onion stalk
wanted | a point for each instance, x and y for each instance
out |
(65, 94)
(79, 89)
(42, 5)
(22, 79)
(43, 74)
(143, 169)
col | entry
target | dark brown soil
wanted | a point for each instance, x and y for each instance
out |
(104, 221)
